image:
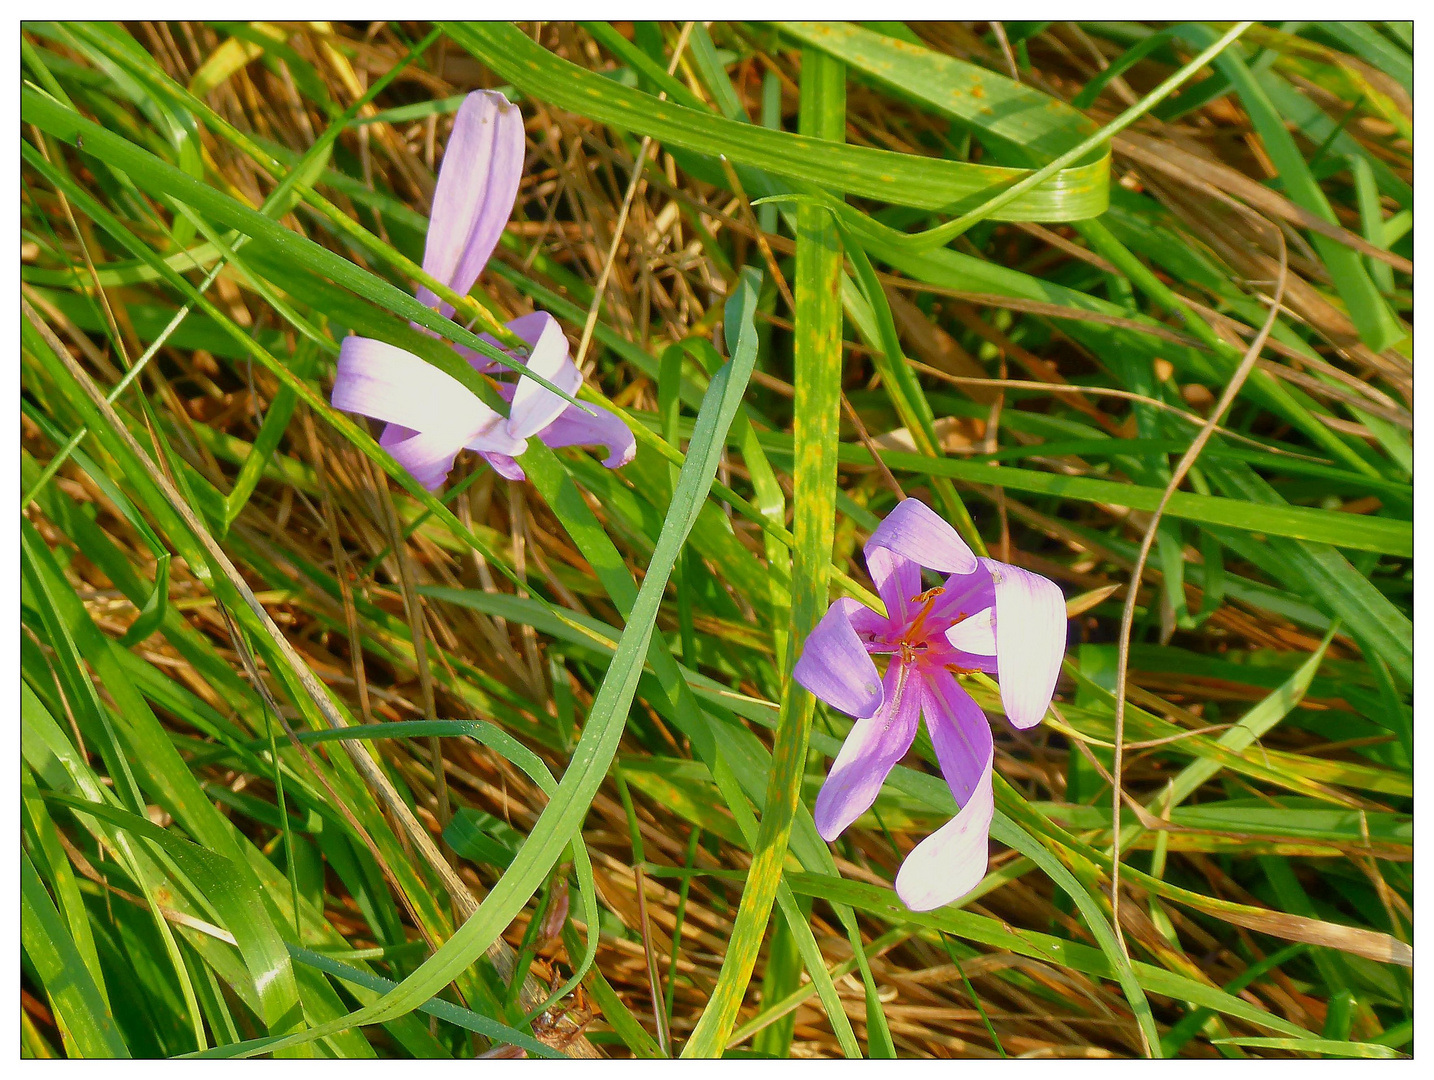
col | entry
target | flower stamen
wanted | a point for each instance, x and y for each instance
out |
(914, 635)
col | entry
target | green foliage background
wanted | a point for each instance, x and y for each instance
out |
(316, 763)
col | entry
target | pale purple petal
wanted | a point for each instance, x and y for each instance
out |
(916, 531)
(505, 466)
(969, 605)
(387, 383)
(873, 629)
(480, 361)
(578, 427)
(427, 456)
(874, 746)
(497, 439)
(960, 733)
(975, 634)
(430, 415)
(571, 426)
(1030, 640)
(499, 448)
(952, 861)
(835, 666)
(528, 327)
(477, 184)
(535, 406)
(963, 595)
(897, 580)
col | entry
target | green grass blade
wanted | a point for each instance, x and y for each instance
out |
(817, 411)
(1357, 532)
(80, 1008)
(444, 1010)
(1331, 1047)
(1011, 834)
(1377, 325)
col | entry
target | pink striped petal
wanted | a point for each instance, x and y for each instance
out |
(874, 746)
(917, 532)
(952, 861)
(873, 629)
(535, 406)
(964, 595)
(477, 184)
(1030, 640)
(835, 666)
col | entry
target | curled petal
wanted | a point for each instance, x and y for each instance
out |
(387, 383)
(477, 184)
(873, 747)
(505, 466)
(917, 532)
(578, 427)
(951, 861)
(428, 456)
(535, 406)
(499, 448)
(537, 411)
(497, 439)
(529, 327)
(835, 666)
(1030, 640)
(430, 415)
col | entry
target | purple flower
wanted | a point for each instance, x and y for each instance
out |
(430, 415)
(987, 616)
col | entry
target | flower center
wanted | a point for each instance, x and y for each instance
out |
(914, 639)
(911, 650)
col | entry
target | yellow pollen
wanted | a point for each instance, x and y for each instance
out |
(913, 634)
